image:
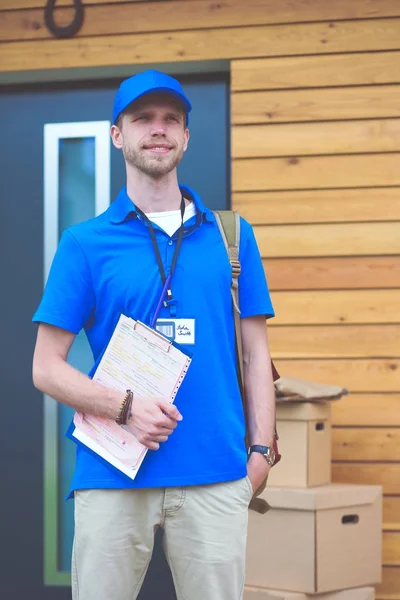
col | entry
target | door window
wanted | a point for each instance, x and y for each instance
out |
(76, 188)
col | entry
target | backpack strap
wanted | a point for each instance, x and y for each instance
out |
(228, 222)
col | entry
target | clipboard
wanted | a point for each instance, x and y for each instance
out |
(141, 359)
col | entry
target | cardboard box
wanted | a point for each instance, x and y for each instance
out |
(316, 540)
(364, 593)
(305, 442)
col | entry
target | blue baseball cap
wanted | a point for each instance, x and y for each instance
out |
(145, 83)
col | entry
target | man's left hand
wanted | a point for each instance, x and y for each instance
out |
(257, 469)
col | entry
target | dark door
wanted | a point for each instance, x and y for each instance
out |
(57, 168)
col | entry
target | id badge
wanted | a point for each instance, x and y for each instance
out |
(181, 331)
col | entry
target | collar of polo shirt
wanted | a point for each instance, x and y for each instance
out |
(123, 205)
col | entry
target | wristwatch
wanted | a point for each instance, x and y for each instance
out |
(266, 451)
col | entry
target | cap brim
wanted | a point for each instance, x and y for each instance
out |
(181, 98)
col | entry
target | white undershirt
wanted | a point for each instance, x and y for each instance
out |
(170, 220)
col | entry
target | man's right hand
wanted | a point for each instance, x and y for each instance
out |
(152, 421)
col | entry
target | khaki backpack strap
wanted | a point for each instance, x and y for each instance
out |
(229, 225)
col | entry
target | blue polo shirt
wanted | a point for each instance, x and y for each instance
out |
(107, 266)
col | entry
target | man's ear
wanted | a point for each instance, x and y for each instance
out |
(116, 136)
(187, 138)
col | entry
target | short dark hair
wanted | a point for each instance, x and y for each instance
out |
(118, 122)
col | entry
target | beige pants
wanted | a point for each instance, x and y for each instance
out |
(205, 530)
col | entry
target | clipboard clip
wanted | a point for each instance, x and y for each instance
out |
(155, 333)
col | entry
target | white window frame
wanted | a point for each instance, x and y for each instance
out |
(53, 133)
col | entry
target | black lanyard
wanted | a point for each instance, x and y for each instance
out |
(157, 250)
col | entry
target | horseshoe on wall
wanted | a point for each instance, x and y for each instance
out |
(66, 31)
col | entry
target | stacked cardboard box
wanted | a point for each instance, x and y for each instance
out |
(305, 442)
(365, 593)
(318, 538)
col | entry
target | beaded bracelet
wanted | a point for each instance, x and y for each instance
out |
(124, 411)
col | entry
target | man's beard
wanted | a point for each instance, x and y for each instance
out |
(154, 166)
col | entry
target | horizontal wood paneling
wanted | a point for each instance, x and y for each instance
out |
(371, 410)
(391, 512)
(24, 4)
(162, 16)
(361, 375)
(302, 139)
(315, 71)
(352, 272)
(101, 19)
(366, 444)
(335, 307)
(335, 341)
(338, 239)
(316, 172)
(139, 17)
(386, 475)
(390, 584)
(267, 11)
(319, 206)
(224, 43)
(316, 105)
(391, 548)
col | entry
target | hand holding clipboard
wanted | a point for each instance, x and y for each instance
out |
(142, 360)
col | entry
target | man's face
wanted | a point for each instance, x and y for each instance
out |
(153, 135)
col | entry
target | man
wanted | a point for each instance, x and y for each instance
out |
(197, 480)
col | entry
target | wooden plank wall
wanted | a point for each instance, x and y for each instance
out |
(316, 168)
